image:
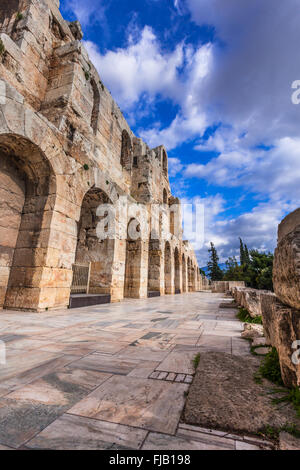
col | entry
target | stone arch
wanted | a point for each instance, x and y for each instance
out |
(126, 151)
(184, 289)
(177, 271)
(132, 281)
(92, 250)
(27, 194)
(165, 162)
(96, 106)
(168, 269)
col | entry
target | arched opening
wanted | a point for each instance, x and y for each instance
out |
(92, 270)
(132, 280)
(165, 196)
(26, 183)
(154, 261)
(168, 269)
(165, 163)
(126, 151)
(96, 106)
(177, 271)
(183, 274)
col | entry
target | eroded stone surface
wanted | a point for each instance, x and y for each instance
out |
(223, 394)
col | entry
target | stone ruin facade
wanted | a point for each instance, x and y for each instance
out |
(65, 150)
(280, 310)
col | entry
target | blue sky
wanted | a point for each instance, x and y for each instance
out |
(211, 80)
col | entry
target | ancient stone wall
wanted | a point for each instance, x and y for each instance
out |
(280, 310)
(225, 286)
(65, 146)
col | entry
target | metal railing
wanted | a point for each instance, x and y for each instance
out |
(81, 278)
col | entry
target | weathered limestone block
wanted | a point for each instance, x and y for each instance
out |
(286, 272)
(288, 442)
(250, 299)
(282, 329)
(251, 331)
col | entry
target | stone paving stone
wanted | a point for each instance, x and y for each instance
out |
(34, 373)
(156, 441)
(18, 361)
(180, 378)
(154, 375)
(262, 351)
(78, 433)
(210, 438)
(27, 411)
(144, 369)
(179, 362)
(141, 353)
(188, 379)
(104, 363)
(162, 375)
(190, 427)
(150, 404)
(171, 376)
(5, 448)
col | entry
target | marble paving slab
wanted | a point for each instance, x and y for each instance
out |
(179, 362)
(78, 433)
(156, 441)
(105, 363)
(145, 403)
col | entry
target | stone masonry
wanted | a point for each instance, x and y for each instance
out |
(280, 310)
(65, 149)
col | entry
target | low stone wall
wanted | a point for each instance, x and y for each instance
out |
(281, 327)
(249, 299)
(286, 271)
(225, 286)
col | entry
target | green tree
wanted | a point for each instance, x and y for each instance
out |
(256, 270)
(242, 252)
(261, 270)
(247, 256)
(233, 271)
(214, 270)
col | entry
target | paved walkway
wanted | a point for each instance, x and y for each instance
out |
(114, 376)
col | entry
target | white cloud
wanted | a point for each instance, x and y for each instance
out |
(274, 173)
(139, 68)
(258, 229)
(174, 166)
(243, 81)
(87, 11)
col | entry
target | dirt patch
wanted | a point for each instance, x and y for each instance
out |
(225, 396)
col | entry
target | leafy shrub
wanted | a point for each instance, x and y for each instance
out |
(270, 368)
(245, 317)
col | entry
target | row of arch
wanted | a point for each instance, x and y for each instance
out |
(42, 237)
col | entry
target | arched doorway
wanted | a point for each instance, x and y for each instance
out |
(92, 270)
(27, 182)
(133, 272)
(168, 269)
(177, 271)
(183, 274)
